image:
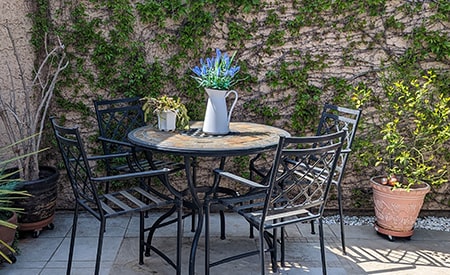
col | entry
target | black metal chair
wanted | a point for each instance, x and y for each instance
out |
(295, 191)
(115, 119)
(333, 119)
(89, 194)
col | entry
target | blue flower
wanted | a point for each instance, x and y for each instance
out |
(217, 72)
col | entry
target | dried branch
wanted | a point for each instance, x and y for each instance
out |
(21, 123)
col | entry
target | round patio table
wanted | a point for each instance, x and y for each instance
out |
(245, 138)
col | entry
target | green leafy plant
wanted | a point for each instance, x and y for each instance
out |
(416, 132)
(217, 72)
(155, 105)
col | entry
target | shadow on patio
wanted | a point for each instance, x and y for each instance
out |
(428, 252)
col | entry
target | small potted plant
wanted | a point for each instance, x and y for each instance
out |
(172, 114)
(416, 119)
(217, 75)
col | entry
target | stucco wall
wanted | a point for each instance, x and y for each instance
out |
(364, 63)
(14, 24)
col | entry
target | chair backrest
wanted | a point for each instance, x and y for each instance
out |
(335, 119)
(300, 177)
(76, 162)
(116, 118)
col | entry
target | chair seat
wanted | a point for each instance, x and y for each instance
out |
(127, 201)
(251, 208)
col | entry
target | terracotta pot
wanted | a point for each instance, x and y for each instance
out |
(396, 210)
(8, 235)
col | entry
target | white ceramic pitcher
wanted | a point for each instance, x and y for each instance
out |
(217, 118)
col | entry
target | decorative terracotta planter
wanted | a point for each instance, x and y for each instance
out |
(396, 210)
(7, 235)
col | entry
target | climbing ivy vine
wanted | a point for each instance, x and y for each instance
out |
(111, 59)
(140, 48)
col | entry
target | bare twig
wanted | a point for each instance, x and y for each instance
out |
(21, 123)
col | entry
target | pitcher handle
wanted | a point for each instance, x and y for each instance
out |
(234, 102)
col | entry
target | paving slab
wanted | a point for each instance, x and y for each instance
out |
(427, 252)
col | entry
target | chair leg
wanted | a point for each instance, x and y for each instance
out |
(142, 215)
(282, 248)
(222, 225)
(72, 240)
(230, 193)
(155, 226)
(313, 230)
(179, 236)
(207, 244)
(322, 247)
(341, 218)
(274, 251)
(100, 245)
(261, 251)
(251, 233)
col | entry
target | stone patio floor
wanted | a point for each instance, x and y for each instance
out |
(427, 252)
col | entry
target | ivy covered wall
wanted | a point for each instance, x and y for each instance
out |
(294, 56)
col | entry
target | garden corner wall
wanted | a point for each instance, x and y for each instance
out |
(14, 23)
(286, 60)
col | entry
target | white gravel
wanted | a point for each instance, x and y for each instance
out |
(430, 223)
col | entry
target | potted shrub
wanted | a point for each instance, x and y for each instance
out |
(23, 112)
(171, 113)
(416, 131)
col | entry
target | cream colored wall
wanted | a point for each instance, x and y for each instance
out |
(13, 16)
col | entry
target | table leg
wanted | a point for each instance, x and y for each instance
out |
(191, 184)
(194, 165)
(191, 179)
(206, 206)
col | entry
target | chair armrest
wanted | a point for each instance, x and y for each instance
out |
(239, 179)
(150, 173)
(118, 142)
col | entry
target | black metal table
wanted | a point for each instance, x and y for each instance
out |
(245, 138)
